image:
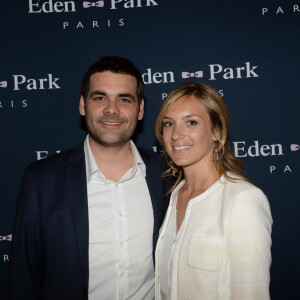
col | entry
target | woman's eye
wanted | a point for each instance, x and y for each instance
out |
(191, 122)
(167, 124)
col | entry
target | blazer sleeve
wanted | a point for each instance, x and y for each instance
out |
(26, 264)
(249, 246)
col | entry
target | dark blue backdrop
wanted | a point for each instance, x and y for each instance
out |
(248, 50)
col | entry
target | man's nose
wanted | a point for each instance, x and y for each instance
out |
(111, 108)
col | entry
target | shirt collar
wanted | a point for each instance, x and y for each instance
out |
(92, 167)
(90, 162)
(137, 159)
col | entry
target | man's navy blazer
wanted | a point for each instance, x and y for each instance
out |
(49, 253)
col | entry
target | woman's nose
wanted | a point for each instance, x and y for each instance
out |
(177, 133)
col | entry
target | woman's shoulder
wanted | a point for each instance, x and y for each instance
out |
(237, 182)
(242, 190)
(247, 199)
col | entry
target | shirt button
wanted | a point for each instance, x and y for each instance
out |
(122, 213)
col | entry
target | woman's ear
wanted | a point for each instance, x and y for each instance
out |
(216, 136)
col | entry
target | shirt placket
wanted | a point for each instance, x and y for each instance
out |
(122, 240)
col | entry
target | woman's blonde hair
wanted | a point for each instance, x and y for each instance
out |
(218, 113)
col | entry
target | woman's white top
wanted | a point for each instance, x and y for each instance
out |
(222, 250)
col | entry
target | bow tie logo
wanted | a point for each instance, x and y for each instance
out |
(87, 4)
(3, 84)
(6, 237)
(198, 74)
(295, 147)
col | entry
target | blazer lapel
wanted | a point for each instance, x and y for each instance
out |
(156, 190)
(76, 179)
(154, 182)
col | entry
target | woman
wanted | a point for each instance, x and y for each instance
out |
(215, 240)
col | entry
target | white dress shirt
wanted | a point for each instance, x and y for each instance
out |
(120, 232)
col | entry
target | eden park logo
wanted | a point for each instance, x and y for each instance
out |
(217, 71)
(50, 6)
(22, 82)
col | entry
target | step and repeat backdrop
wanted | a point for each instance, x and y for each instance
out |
(248, 50)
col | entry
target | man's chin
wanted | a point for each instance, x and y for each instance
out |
(109, 142)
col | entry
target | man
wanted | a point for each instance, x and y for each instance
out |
(87, 219)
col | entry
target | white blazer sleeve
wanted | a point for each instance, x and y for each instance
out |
(249, 246)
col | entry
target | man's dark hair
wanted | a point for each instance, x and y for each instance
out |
(117, 65)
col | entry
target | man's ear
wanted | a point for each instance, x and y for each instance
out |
(82, 106)
(141, 112)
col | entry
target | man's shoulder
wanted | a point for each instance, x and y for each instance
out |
(59, 160)
(150, 155)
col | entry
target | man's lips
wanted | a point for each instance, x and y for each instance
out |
(111, 122)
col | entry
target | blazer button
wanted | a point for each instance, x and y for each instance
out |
(84, 290)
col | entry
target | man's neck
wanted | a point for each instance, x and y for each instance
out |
(113, 161)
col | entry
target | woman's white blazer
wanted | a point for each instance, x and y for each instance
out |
(224, 252)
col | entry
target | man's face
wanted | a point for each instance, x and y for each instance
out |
(111, 108)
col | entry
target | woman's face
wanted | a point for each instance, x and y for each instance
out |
(187, 133)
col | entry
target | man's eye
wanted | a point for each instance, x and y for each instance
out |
(124, 100)
(99, 98)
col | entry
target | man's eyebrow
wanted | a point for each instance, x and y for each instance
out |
(97, 93)
(127, 95)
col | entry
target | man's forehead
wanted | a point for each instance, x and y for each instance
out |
(109, 82)
(106, 75)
